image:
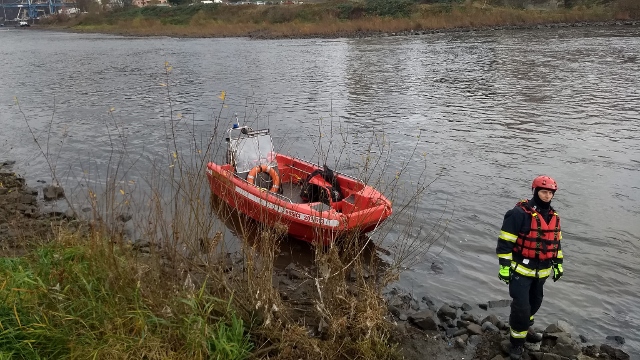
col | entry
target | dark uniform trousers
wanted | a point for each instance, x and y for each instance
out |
(527, 294)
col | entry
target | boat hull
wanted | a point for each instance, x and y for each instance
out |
(361, 210)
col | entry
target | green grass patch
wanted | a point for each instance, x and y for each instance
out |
(391, 8)
(90, 301)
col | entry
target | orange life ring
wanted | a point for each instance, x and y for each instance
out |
(266, 169)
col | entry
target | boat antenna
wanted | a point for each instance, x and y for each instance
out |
(236, 125)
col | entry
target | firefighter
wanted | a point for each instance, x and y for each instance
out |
(529, 251)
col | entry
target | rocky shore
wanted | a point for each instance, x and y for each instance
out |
(22, 220)
(423, 329)
(267, 35)
(479, 334)
(365, 34)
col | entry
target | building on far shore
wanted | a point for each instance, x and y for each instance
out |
(142, 3)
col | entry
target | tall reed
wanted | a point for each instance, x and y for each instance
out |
(173, 285)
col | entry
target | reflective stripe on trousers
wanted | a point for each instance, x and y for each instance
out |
(527, 293)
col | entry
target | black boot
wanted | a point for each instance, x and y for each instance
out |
(516, 352)
(533, 337)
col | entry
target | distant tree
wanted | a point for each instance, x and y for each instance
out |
(84, 5)
(181, 2)
(393, 8)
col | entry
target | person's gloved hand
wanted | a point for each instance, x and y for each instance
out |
(557, 272)
(505, 273)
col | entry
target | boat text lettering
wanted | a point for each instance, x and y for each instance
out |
(288, 212)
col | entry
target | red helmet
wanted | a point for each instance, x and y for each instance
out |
(544, 182)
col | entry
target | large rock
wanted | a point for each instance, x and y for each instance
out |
(425, 320)
(447, 311)
(616, 354)
(468, 317)
(474, 329)
(489, 327)
(617, 338)
(490, 318)
(567, 350)
(28, 199)
(53, 192)
(466, 307)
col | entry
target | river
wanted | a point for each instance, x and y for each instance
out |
(492, 109)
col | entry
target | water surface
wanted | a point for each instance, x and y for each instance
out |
(493, 110)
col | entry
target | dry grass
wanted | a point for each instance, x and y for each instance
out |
(322, 20)
(177, 292)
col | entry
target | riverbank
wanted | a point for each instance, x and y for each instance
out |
(340, 19)
(70, 290)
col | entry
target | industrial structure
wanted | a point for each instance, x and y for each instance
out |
(31, 9)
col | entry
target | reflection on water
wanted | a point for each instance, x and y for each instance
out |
(491, 110)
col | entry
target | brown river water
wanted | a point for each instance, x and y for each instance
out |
(485, 112)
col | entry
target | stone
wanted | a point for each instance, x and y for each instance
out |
(461, 332)
(591, 351)
(502, 325)
(293, 272)
(28, 199)
(141, 244)
(124, 217)
(489, 327)
(548, 356)
(70, 214)
(425, 320)
(460, 343)
(466, 307)
(564, 338)
(26, 209)
(403, 317)
(583, 339)
(450, 324)
(474, 329)
(469, 318)
(52, 192)
(447, 311)
(497, 357)
(451, 332)
(395, 301)
(483, 306)
(536, 355)
(474, 340)
(505, 346)
(532, 347)
(394, 310)
(565, 326)
(461, 324)
(427, 301)
(490, 318)
(566, 350)
(559, 327)
(616, 338)
(617, 354)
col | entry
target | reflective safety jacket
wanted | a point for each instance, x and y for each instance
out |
(529, 240)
